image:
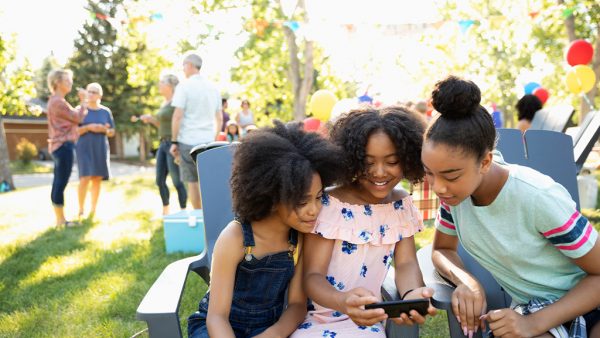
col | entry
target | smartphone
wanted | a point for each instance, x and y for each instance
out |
(394, 308)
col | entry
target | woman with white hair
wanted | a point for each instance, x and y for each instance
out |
(62, 134)
(93, 153)
(165, 162)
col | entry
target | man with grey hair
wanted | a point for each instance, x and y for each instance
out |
(197, 119)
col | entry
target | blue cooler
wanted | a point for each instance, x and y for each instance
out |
(184, 231)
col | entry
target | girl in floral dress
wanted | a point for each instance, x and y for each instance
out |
(366, 224)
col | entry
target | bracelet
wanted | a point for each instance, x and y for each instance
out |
(175, 143)
(406, 293)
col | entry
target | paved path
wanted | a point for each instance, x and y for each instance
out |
(116, 169)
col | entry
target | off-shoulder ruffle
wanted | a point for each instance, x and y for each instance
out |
(376, 224)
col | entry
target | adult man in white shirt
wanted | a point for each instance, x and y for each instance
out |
(197, 119)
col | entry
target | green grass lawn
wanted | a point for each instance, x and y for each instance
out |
(85, 281)
(89, 280)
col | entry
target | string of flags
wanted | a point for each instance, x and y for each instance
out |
(259, 25)
(124, 19)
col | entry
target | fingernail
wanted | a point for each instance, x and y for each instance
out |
(476, 328)
(458, 319)
(482, 317)
(470, 333)
(465, 330)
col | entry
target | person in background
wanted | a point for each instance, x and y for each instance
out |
(93, 152)
(62, 134)
(226, 117)
(165, 162)
(251, 128)
(197, 119)
(233, 132)
(497, 116)
(245, 117)
(526, 108)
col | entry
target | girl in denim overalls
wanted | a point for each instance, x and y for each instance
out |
(277, 184)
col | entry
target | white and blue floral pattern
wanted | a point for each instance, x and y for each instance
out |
(365, 235)
(348, 247)
(363, 270)
(347, 213)
(398, 204)
(368, 211)
(304, 326)
(329, 334)
(372, 328)
(383, 228)
(325, 199)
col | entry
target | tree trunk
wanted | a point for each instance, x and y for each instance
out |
(5, 174)
(569, 24)
(301, 83)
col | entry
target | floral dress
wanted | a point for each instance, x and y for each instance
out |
(365, 237)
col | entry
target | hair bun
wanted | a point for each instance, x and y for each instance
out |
(454, 97)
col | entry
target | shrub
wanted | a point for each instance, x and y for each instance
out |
(26, 151)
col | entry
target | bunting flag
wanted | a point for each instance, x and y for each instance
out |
(259, 26)
(465, 25)
(133, 20)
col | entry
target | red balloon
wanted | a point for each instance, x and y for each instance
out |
(580, 52)
(541, 94)
(312, 124)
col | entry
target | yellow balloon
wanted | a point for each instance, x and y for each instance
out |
(580, 79)
(321, 103)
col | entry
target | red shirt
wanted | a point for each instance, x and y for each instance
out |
(63, 120)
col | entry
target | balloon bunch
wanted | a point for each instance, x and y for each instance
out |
(320, 106)
(536, 89)
(580, 78)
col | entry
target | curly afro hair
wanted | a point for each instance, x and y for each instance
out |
(463, 122)
(527, 106)
(273, 166)
(404, 127)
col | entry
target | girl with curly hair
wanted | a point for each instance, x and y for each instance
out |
(366, 223)
(519, 224)
(277, 185)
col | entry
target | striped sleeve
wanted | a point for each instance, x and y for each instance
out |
(561, 224)
(575, 237)
(444, 221)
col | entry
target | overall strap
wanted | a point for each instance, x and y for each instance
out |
(248, 238)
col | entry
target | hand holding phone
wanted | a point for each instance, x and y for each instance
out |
(396, 307)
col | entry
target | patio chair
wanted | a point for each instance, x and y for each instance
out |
(161, 303)
(546, 151)
(586, 137)
(555, 118)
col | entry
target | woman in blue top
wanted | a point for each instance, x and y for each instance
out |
(277, 183)
(516, 222)
(93, 153)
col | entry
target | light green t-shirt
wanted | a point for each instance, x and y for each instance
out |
(526, 237)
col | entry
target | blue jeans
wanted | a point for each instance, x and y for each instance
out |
(165, 164)
(63, 165)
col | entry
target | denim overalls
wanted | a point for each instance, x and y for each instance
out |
(258, 292)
